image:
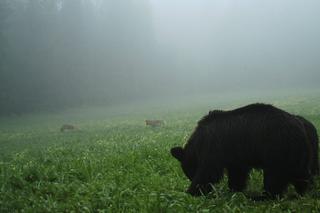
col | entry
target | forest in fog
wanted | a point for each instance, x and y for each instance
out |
(65, 53)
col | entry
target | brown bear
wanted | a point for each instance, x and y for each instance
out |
(254, 136)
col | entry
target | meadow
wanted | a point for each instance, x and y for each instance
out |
(114, 163)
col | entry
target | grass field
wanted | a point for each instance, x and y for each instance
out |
(114, 163)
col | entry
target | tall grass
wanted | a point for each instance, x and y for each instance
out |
(114, 163)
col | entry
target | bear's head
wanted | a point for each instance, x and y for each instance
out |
(187, 161)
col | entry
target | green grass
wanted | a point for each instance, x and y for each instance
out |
(114, 163)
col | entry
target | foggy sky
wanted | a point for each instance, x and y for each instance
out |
(249, 43)
(56, 53)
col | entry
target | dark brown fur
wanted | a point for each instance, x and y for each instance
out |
(314, 141)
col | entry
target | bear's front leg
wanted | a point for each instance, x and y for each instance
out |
(204, 178)
(237, 178)
(199, 189)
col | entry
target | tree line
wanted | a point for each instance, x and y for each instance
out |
(64, 53)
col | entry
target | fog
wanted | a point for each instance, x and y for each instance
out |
(68, 53)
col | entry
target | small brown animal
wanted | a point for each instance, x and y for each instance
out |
(67, 127)
(154, 123)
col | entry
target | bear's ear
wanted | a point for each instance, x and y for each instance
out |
(178, 153)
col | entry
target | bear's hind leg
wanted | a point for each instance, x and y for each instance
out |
(275, 183)
(301, 186)
(237, 178)
(302, 181)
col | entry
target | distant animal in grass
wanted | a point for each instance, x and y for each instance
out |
(154, 123)
(67, 127)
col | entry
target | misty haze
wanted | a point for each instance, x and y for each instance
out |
(95, 93)
(56, 54)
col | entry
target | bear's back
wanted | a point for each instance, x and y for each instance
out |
(255, 109)
(267, 130)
